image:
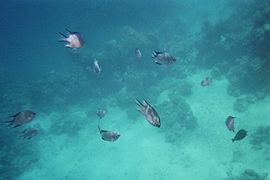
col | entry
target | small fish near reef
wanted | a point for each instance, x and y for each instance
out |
(138, 53)
(241, 134)
(149, 112)
(110, 136)
(97, 68)
(163, 58)
(74, 39)
(230, 123)
(29, 133)
(205, 82)
(101, 113)
(21, 118)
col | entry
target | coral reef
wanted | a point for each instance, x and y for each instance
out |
(178, 117)
(239, 47)
(249, 174)
(242, 103)
(261, 137)
(247, 76)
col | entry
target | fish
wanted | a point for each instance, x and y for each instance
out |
(138, 53)
(74, 39)
(230, 123)
(110, 136)
(149, 113)
(241, 134)
(205, 82)
(97, 67)
(29, 133)
(21, 118)
(163, 58)
(101, 113)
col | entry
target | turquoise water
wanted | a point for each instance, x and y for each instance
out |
(225, 41)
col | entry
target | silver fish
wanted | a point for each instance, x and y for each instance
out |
(230, 123)
(110, 136)
(138, 53)
(97, 67)
(163, 58)
(101, 113)
(74, 39)
(149, 112)
(205, 82)
(21, 118)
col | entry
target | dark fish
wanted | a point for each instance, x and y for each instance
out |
(241, 134)
(74, 39)
(138, 53)
(101, 113)
(29, 133)
(110, 136)
(205, 82)
(149, 112)
(21, 118)
(163, 58)
(230, 123)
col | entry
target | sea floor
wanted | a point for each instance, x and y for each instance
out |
(142, 151)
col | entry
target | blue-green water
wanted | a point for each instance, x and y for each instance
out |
(226, 41)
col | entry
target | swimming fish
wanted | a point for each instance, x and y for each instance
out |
(29, 133)
(74, 39)
(149, 112)
(21, 118)
(241, 134)
(101, 113)
(230, 123)
(110, 136)
(205, 82)
(97, 67)
(163, 58)
(138, 53)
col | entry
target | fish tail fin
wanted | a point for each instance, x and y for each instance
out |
(63, 35)
(15, 115)
(8, 122)
(69, 31)
(146, 102)
(16, 125)
(233, 140)
(138, 102)
(154, 54)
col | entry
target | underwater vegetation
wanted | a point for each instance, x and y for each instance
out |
(238, 47)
